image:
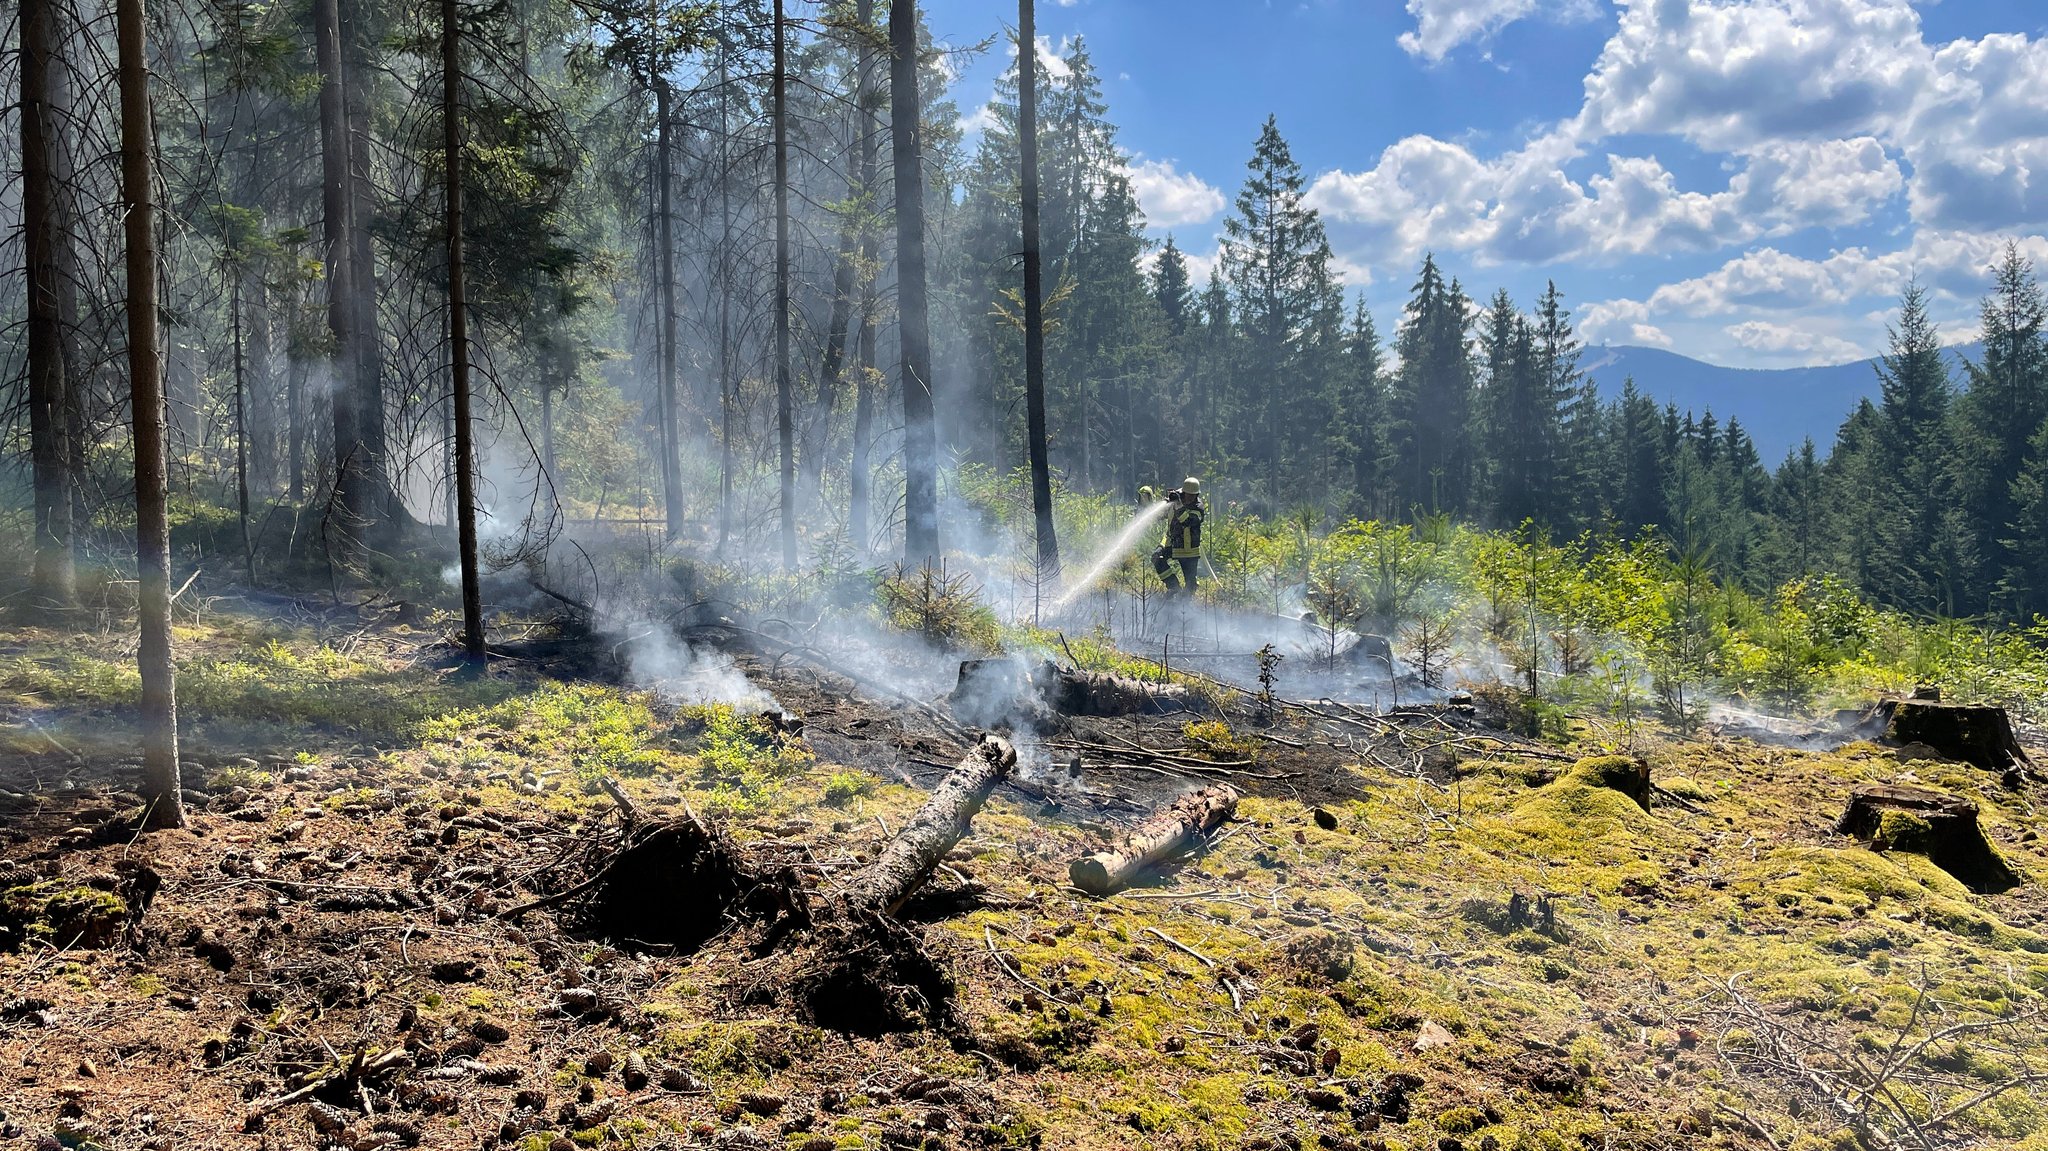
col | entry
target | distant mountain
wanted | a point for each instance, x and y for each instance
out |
(1778, 407)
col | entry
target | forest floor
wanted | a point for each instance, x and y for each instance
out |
(1414, 935)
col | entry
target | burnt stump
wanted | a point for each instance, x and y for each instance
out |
(1972, 733)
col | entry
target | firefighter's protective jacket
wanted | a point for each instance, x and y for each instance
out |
(1184, 531)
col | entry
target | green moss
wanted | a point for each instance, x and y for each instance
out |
(843, 787)
(1461, 1120)
(60, 914)
(1901, 831)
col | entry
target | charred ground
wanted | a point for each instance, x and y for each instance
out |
(1419, 932)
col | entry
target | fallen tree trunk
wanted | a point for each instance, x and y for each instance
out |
(915, 852)
(1154, 840)
(1935, 824)
(1071, 691)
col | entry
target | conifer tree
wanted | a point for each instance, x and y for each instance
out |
(1276, 258)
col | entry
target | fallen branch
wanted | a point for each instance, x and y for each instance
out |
(1154, 840)
(558, 597)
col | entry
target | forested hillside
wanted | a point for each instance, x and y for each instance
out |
(622, 271)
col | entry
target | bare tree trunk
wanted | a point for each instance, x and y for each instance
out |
(458, 333)
(863, 394)
(146, 394)
(377, 501)
(726, 399)
(1034, 295)
(785, 393)
(47, 231)
(241, 425)
(671, 425)
(346, 450)
(295, 426)
(920, 435)
(812, 459)
(262, 355)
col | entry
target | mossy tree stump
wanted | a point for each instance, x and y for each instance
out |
(1935, 824)
(1625, 774)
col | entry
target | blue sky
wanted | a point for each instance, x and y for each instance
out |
(1750, 182)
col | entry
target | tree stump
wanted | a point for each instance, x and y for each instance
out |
(1154, 840)
(993, 693)
(1935, 824)
(1973, 733)
(1628, 775)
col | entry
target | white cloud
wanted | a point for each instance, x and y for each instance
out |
(1798, 343)
(1523, 207)
(1172, 198)
(1441, 25)
(1619, 322)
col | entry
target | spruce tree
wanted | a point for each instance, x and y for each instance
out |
(2005, 406)
(1430, 399)
(1276, 257)
(1912, 438)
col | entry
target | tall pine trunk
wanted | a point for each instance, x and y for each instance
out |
(811, 461)
(337, 203)
(146, 395)
(671, 425)
(49, 386)
(785, 392)
(458, 334)
(863, 394)
(1034, 293)
(241, 426)
(726, 399)
(920, 435)
(376, 501)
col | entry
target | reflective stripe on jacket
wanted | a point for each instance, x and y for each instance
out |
(1184, 532)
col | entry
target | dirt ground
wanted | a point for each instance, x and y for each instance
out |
(385, 925)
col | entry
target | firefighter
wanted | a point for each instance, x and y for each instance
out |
(1183, 543)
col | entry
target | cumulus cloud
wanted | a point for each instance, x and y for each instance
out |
(1442, 25)
(1524, 207)
(1620, 322)
(1799, 343)
(1172, 198)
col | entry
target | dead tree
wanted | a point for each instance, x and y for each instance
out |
(50, 446)
(915, 852)
(1034, 295)
(146, 395)
(671, 424)
(1941, 826)
(1168, 832)
(458, 334)
(863, 394)
(785, 393)
(913, 320)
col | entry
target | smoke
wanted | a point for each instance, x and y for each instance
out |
(683, 675)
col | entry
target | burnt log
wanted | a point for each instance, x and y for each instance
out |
(1071, 691)
(1972, 733)
(1935, 824)
(1166, 833)
(910, 858)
